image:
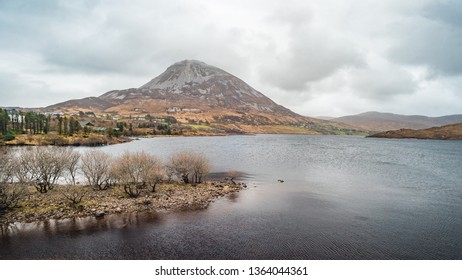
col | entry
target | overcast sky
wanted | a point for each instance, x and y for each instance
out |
(317, 57)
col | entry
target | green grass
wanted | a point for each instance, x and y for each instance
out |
(199, 126)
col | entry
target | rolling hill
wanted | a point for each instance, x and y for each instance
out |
(447, 132)
(376, 121)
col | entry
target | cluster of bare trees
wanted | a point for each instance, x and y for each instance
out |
(137, 171)
(44, 167)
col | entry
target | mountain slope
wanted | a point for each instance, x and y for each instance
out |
(87, 103)
(447, 132)
(376, 121)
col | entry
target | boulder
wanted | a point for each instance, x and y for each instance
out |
(99, 214)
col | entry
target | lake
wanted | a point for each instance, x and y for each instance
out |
(341, 198)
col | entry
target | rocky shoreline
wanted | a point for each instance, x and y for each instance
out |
(169, 197)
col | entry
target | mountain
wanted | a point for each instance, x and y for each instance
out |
(376, 121)
(209, 84)
(447, 132)
(195, 92)
(195, 85)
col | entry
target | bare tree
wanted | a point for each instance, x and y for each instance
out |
(135, 171)
(154, 171)
(10, 193)
(190, 167)
(6, 166)
(72, 165)
(43, 166)
(73, 193)
(180, 164)
(200, 168)
(23, 167)
(95, 168)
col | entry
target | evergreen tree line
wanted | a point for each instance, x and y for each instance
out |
(4, 121)
(20, 122)
(36, 123)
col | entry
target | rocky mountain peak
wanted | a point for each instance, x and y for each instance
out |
(185, 74)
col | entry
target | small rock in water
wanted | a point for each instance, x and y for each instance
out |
(99, 214)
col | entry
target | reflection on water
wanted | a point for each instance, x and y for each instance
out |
(79, 226)
(342, 198)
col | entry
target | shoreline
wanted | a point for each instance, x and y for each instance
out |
(169, 197)
(80, 141)
(70, 142)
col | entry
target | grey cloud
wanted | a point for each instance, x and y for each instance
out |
(122, 38)
(29, 92)
(382, 84)
(434, 40)
(313, 52)
(312, 57)
(448, 12)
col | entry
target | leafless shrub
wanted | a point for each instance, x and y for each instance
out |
(95, 168)
(6, 166)
(231, 175)
(43, 166)
(135, 171)
(73, 193)
(72, 165)
(22, 166)
(133, 189)
(190, 167)
(10, 193)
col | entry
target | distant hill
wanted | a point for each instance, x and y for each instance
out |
(376, 121)
(447, 132)
(326, 118)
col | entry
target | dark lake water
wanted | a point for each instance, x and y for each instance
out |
(342, 198)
